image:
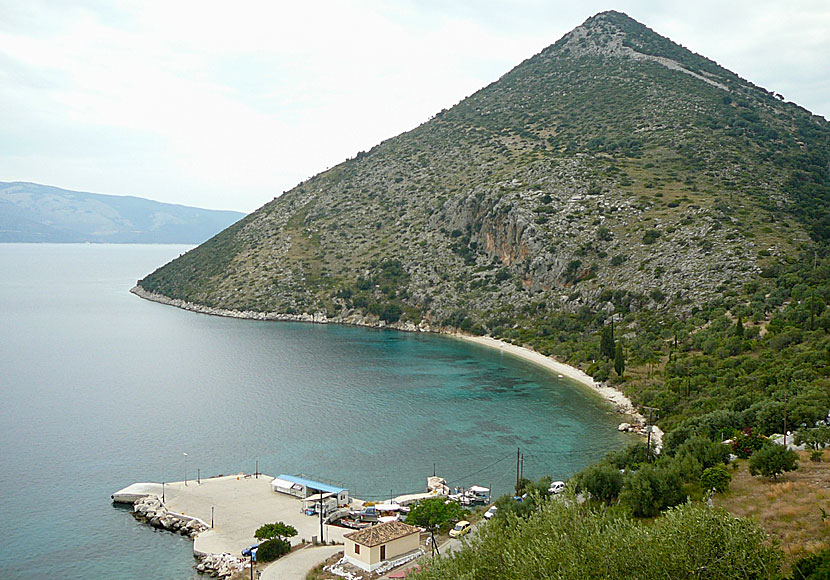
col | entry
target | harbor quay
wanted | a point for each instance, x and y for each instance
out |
(222, 514)
(236, 506)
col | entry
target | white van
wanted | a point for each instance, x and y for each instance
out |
(556, 487)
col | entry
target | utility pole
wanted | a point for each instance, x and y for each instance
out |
(648, 430)
(518, 458)
(321, 516)
(522, 468)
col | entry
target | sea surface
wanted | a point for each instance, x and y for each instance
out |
(101, 389)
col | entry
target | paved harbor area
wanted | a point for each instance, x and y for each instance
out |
(241, 504)
(297, 565)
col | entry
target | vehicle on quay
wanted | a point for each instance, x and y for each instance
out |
(462, 528)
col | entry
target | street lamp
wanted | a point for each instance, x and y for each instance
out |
(185, 468)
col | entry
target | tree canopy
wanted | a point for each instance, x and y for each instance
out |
(275, 530)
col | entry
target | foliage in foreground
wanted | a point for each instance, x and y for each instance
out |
(564, 540)
(813, 567)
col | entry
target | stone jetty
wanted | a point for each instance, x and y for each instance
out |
(150, 509)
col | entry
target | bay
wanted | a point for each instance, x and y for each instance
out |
(101, 389)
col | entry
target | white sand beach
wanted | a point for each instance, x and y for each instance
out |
(616, 397)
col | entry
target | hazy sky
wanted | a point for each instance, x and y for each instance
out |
(227, 104)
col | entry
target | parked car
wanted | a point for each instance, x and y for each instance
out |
(556, 487)
(461, 528)
(247, 551)
(490, 512)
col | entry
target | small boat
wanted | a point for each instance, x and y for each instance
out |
(354, 524)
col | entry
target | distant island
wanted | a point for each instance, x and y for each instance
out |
(30, 212)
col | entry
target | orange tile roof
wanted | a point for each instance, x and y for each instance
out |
(381, 533)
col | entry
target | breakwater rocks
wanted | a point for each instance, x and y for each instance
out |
(221, 565)
(150, 509)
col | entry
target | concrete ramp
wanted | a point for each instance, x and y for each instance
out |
(133, 493)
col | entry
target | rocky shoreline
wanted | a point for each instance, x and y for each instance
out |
(152, 511)
(622, 404)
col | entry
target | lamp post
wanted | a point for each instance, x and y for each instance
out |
(185, 468)
(162, 492)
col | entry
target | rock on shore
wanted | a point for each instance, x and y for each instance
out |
(221, 565)
(151, 510)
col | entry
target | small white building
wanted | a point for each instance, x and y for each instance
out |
(369, 548)
(301, 487)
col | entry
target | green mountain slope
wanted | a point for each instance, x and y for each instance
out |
(615, 176)
(39, 213)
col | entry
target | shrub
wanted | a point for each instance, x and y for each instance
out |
(816, 455)
(772, 461)
(812, 567)
(602, 480)
(651, 490)
(630, 456)
(707, 452)
(813, 438)
(716, 477)
(563, 540)
(270, 550)
(650, 236)
(747, 442)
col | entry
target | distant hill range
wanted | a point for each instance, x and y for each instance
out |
(39, 213)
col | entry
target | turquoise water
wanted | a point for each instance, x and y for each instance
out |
(102, 389)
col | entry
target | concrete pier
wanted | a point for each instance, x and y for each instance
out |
(241, 504)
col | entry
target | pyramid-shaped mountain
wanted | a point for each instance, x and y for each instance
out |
(615, 171)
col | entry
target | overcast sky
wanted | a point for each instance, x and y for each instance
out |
(227, 104)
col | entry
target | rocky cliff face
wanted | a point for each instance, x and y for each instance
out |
(614, 171)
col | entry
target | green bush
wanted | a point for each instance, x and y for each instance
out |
(629, 456)
(602, 480)
(772, 461)
(812, 567)
(716, 477)
(275, 530)
(705, 451)
(651, 490)
(564, 540)
(270, 550)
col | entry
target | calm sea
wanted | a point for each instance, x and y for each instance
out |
(101, 389)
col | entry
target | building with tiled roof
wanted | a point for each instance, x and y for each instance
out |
(371, 547)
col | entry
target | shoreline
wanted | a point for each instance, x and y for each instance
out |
(617, 398)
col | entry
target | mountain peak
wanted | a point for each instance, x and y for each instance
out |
(614, 170)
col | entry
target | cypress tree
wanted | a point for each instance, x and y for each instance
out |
(619, 359)
(606, 342)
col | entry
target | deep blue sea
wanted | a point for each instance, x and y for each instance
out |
(101, 389)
